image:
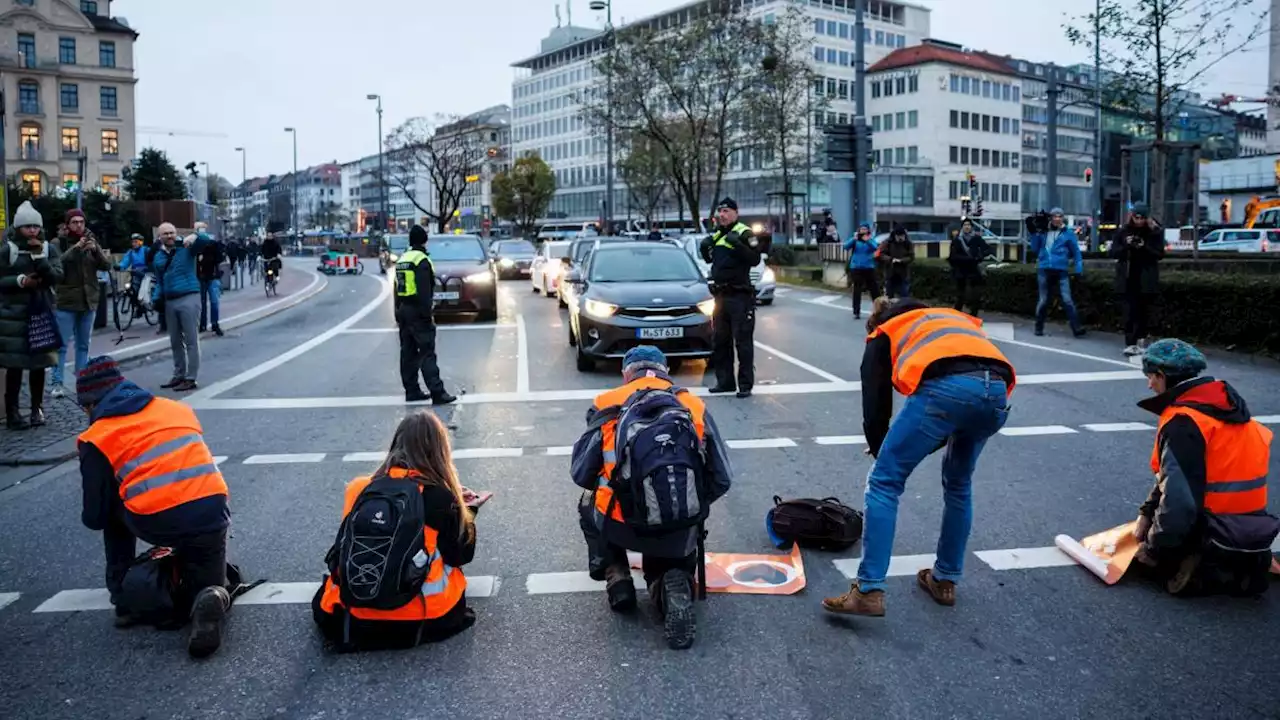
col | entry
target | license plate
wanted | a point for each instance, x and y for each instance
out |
(446, 296)
(525, 271)
(660, 333)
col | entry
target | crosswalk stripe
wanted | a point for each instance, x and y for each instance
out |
(76, 601)
(761, 444)
(841, 440)
(284, 458)
(1025, 558)
(1037, 430)
(478, 453)
(8, 598)
(364, 457)
(1268, 419)
(560, 450)
(899, 565)
(1117, 427)
(570, 582)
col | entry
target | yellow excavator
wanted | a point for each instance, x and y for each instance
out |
(1262, 212)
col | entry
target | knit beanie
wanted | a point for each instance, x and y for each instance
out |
(27, 215)
(641, 358)
(1173, 358)
(417, 236)
(96, 380)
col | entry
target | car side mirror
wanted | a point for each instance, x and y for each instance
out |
(573, 276)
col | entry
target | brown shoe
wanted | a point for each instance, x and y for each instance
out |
(943, 592)
(856, 602)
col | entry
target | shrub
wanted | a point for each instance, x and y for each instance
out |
(1228, 310)
(784, 255)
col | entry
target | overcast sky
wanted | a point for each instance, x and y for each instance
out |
(245, 69)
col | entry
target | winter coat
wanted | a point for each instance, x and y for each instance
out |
(966, 256)
(15, 315)
(1057, 250)
(180, 276)
(134, 260)
(891, 250)
(863, 255)
(78, 291)
(1138, 264)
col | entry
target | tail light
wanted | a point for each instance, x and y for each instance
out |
(1265, 245)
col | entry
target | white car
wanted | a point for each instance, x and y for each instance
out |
(762, 276)
(1241, 240)
(546, 269)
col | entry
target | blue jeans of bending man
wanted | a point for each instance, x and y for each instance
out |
(1055, 281)
(959, 412)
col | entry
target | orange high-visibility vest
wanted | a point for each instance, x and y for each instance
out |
(158, 455)
(441, 591)
(919, 338)
(1235, 461)
(608, 433)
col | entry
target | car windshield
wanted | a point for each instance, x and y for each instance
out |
(643, 264)
(451, 247)
(398, 243)
(581, 249)
(516, 247)
(557, 249)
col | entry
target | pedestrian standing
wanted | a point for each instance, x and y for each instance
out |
(1138, 249)
(77, 293)
(175, 268)
(29, 270)
(1057, 251)
(862, 267)
(732, 250)
(209, 272)
(968, 251)
(957, 384)
(896, 255)
(415, 283)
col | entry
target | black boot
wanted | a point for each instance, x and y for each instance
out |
(14, 419)
(208, 619)
(37, 417)
(620, 588)
(679, 623)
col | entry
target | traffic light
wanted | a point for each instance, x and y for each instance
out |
(966, 205)
(977, 211)
(1088, 176)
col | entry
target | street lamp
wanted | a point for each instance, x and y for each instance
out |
(294, 189)
(244, 167)
(607, 7)
(382, 175)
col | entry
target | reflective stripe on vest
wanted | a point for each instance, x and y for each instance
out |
(608, 435)
(441, 590)
(721, 233)
(406, 275)
(1236, 457)
(919, 338)
(158, 456)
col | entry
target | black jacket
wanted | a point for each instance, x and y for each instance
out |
(209, 259)
(1138, 263)
(731, 266)
(967, 254)
(419, 306)
(271, 249)
(442, 516)
(891, 250)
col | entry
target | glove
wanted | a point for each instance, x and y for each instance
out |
(1143, 527)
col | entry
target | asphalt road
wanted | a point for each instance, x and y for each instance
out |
(299, 403)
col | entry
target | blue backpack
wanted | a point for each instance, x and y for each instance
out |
(658, 480)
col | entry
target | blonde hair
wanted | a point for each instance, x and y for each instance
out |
(421, 444)
(879, 308)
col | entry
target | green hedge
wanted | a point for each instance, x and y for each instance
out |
(1238, 312)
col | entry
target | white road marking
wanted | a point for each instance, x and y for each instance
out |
(483, 586)
(364, 457)
(570, 582)
(999, 330)
(841, 440)
(1025, 558)
(799, 363)
(76, 601)
(826, 300)
(479, 453)
(1060, 378)
(1268, 419)
(222, 386)
(378, 330)
(284, 458)
(441, 328)
(560, 450)
(899, 565)
(281, 593)
(219, 459)
(780, 291)
(1037, 430)
(9, 598)
(761, 444)
(1118, 427)
(1060, 351)
(522, 356)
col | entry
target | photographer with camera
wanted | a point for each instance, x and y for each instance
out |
(1057, 250)
(1138, 248)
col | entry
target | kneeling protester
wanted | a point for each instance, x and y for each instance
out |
(395, 577)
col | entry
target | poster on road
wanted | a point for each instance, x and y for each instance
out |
(1107, 554)
(746, 574)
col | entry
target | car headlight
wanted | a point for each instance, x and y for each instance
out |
(506, 262)
(757, 228)
(708, 307)
(767, 276)
(393, 257)
(480, 277)
(595, 308)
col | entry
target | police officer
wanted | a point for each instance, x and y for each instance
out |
(732, 251)
(415, 294)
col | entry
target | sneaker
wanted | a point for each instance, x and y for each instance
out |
(445, 399)
(1039, 332)
(744, 393)
(217, 331)
(620, 588)
(856, 602)
(37, 417)
(1184, 582)
(186, 386)
(173, 382)
(415, 396)
(679, 622)
(1132, 350)
(943, 592)
(208, 619)
(721, 389)
(58, 391)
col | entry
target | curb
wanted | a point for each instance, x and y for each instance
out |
(52, 454)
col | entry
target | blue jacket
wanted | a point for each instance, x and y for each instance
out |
(135, 259)
(864, 253)
(180, 279)
(1057, 250)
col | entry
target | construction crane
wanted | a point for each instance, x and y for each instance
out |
(1227, 100)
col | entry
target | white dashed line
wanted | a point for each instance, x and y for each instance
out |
(284, 458)
(364, 457)
(841, 440)
(761, 444)
(1118, 427)
(1025, 558)
(482, 453)
(1037, 430)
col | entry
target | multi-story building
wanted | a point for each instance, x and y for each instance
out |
(547, 120)
(68, 81)
(1273, 78)
(939, 116)
(490, 131)
(320, 202)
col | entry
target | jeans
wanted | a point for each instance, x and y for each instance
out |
(1049, 281)
(897, 287)
(75, 327)
(210, 299)
(182, 314)
(958, 412)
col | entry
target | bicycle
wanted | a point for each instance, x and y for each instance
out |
(271, 279)
(126, 306)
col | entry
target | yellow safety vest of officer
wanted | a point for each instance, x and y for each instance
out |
(415, 282)
(732, 250)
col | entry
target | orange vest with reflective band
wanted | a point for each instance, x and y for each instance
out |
(1235, 462)
(608, 433)
(441, 591)
(158, 455)
(919, 338)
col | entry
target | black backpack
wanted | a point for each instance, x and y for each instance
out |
(825, 524)
(378, 559)
(658, 480)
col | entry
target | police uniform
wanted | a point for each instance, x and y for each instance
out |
(733, 252)
(415, 281)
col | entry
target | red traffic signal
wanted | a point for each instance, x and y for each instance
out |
(1088, 175)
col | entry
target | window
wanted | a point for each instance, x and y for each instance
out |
(1013, 124)
(29, 143)
(831, 28)
(89, 7)
(964, 156)
(964, 85)
(845, 60)
(986, 158)
(953, 190)
(69, 95)
(955, 155)
(964, 121)
(913, 155)
(1017, 95)
(1004, 125)
(899, 156)
(986, 88)
(111, 142)
(955, 83)
(26, 50)
(986, 123)
(875, 89)
(28, 97)
(888, 88)
(818, 86)
(843, 118)
(34, 181)
(842, 90)
(913, 118)
(875, 157)
(913, 83)
(107, 101)
(818, 54)
(67, 51)
(880, 37)
(818, 27)
(831, 86)
(875, 123)
(844, 31)
(984, 190)
(955, 118)
(888, 121)
(1013, 194)
(70, 141)
(900, 86)
(107, 54)
(1006, 91)
(1004, 193)
(1013, 159)
(900, 120)
(832, 55)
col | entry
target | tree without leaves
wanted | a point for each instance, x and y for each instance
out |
(646, 169)
(444, 153)
(523, 193)
(155, 178)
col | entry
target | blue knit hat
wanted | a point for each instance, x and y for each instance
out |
(1173, 358)
(643, 357)
(96, 380)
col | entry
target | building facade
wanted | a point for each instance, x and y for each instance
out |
(68, 82)
(491, 130)
(320, 201)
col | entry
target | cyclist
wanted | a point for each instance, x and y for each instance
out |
(135, 261)
(271, 254)
(252, 251)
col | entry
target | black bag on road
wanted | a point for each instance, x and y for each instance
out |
(825, 524)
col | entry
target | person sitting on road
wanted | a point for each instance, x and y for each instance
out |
(691, 464)
(431, 535)
(147, 474)
(1205, 525)
(957, 385)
